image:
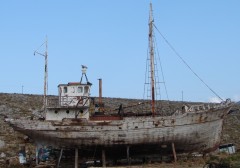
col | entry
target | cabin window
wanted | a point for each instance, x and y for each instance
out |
(80, 89)
(86, 89)
(73, 89)
(65, 89)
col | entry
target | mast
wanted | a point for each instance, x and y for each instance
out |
(45, 77)
(45, 55)
(151, 53)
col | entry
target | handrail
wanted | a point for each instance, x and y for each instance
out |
(68, 101)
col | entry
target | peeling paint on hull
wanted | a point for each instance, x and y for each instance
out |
(191, 131)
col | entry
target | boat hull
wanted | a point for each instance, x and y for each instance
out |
(190, 132)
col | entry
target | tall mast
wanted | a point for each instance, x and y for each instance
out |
(45, 55)
(46, 77)
(151, 53)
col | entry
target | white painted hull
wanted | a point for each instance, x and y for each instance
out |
(191, 131)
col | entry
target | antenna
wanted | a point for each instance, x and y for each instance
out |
(45, 55)
(84, 70)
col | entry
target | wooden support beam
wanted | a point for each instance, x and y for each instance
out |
(103, 158)
(128, 157)
(174, 152)
(76, 158)
(59, 158)
(36, 155)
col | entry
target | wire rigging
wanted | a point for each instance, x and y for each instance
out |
(146, 79)
(160, 62)
(39, 47)
(157, 61)
(187, 64)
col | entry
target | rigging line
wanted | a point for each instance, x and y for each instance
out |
(160, 62)
(40, 46)
(187, 64)
(156, 75)
(146, 78)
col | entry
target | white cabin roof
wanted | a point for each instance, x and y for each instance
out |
(75, 84)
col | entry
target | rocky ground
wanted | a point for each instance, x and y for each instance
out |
(18, 105)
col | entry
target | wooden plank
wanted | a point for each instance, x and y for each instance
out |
(59, 159)
(76, 158)
(103, 158)
(174, 152)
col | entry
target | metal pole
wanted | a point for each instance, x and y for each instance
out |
(100, 95)
(182, 96)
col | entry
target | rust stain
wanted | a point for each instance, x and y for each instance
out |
(200, 119)
(101, 118)
(103, 123)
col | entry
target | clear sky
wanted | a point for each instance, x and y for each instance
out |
(111, 38)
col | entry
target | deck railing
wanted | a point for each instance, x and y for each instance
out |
(68, 101)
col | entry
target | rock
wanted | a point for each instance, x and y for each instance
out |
(3, 155)
(2, 163)
(13, 161)
(2, 144)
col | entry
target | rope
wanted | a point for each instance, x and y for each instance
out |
(187, 64)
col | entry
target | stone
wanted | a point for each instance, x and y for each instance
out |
(2, 144)
(3, 155)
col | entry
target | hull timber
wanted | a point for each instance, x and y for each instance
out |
(190, 131)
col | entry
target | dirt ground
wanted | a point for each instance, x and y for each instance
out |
(162, 165)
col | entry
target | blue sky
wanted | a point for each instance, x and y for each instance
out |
(111, 38)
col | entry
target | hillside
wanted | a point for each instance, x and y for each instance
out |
(18, 105)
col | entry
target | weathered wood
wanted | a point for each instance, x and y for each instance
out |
(76, 158)
(174, 152)
(103, 158)
(128, 157)
(59, 159)
(162, 130)
(36, 155)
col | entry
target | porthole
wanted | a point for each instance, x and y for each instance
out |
(56, 111)
(67, 111)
